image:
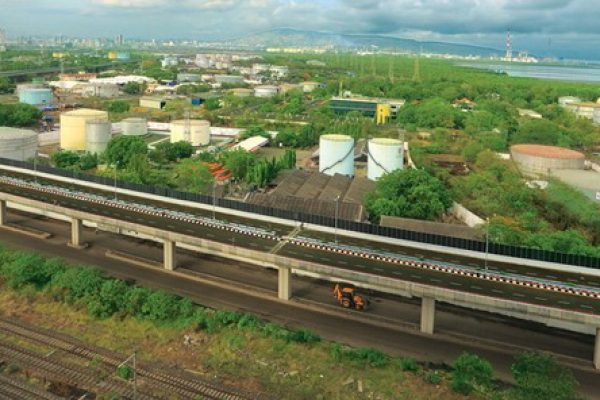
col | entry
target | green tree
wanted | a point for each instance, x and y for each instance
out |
(65, 159)
(182, 149)
(109, 300)
(88, 161)
(133, 88)
(539, 131)
(254, 131)
(118, 106)
(77, 283)
(540, 377)
(238, 162)
(161, 306)
(192, 175)
(5, 85)
(410, 194)
(122, 149)
(471, 373)
(212, 104)
(18, 115)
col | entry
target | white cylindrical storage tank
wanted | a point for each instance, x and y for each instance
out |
(73, 124)
(199, 132)
(97, 135)
(134, 126)
(18, 144)
(336, 155)
(385, 156)
(266, 91)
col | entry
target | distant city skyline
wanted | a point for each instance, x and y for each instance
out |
(559, 28)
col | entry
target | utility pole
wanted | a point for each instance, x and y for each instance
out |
(337, 203)
(487, 242)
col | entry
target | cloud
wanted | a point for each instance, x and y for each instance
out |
(533, 22)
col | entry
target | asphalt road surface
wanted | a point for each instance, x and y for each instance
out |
(457, 330)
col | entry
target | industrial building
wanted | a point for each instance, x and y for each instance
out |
(35, 96)
(187, 77)
(382, 110)
(197, 132)
(529, 113)
(309, 87)
(537, 160)
(98, 133)
(279, 71)
(584, 109)
(105, 90)
(336, 155)
(564, 101)
(384, 156)
(317, 194)
(157, 103)
(229, 79)
(242, 92)
(18, 144)
(134, 127)
(73, 127)
(266, 91)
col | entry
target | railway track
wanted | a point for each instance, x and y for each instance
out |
(184, 385)
(14, 389)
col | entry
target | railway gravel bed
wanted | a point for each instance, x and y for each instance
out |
(164, 379)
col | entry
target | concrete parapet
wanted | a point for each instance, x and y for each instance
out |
(2, 212)
(597, 350)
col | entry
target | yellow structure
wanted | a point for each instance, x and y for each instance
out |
(59, 55)
(73, 125)
(113, 55)
(383, 115)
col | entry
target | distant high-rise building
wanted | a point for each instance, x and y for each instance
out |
(508, 46)
(119, 40)
(2, 37)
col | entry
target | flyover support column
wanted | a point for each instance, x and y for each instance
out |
(169, 254)
(76, 232)
(284, 290)
(427, 315)
(2, 212)
(597, 350)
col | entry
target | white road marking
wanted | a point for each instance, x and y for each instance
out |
(586, 307)
(566, 303)
(455, 284)
(497, 291)
(541, 298)
(518, 295)
(476, 287)
(435, 280)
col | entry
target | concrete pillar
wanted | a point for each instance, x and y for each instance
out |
(76, 232)
(427, 315)
(284, 291)
(597, 350)
(2, 212)
(169, 255)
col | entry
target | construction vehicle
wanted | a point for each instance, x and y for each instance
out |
(348, 298)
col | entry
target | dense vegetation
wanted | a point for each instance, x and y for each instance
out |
(18, 115)
(538, 376)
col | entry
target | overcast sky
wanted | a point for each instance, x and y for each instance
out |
(567, 28)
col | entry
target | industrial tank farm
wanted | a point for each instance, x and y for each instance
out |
(336, 155)
(537, 160)
(73, 127)
(18, 144)
(97, 135)
(199, 132)
(134, 127)
(385, 156)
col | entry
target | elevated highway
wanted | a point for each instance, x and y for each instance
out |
(570, 297)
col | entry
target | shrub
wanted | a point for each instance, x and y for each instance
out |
(471, 373)
(161, 306)
(135, 299)
(303, 336)
(433, 377)
(25, 269)
(78, 283)
(109, 300)
(125, 372)
(540, 377)
(408, 364)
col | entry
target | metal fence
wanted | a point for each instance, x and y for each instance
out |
(396, 233)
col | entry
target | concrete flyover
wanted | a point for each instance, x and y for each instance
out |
(428, 293)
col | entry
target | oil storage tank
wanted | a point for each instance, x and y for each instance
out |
(199, 132)
(97, 135)
(336, 155)
(36, 96)
(73, 127)
(134, 126)
(536, 160)
(384, 156)
(17, 144)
